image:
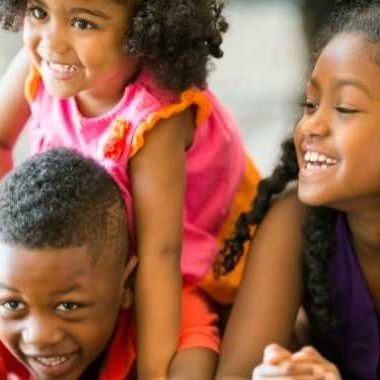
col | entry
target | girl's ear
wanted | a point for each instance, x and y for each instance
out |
(127, 295)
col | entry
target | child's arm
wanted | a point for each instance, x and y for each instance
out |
(308, 363)
(14, 109)
(270, 293)
(199, 341)
(194, 364)
(158, 185)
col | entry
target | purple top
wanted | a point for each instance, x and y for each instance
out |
(353, 345)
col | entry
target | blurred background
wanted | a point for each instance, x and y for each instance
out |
(259, 79)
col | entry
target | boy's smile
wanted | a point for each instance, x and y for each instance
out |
(77, 45)
(58, 308)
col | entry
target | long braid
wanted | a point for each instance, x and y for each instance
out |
(319, 236)
(286, 171)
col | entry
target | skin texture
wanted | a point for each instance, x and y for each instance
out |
(51, 306)
(340, 120)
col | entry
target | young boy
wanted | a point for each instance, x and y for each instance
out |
(64, 279)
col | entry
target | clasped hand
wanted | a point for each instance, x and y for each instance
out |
(306, 364)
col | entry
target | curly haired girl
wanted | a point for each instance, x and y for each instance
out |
(333, 269)
(124, 82)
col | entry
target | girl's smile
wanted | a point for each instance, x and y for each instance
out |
(77, 46)
(337, 139)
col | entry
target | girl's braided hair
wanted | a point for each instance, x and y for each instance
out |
(362, 18)
(174, 39)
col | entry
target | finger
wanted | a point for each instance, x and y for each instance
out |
(274, 354)
(308, 354)
(285, 368)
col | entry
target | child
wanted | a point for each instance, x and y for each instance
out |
(335, 157)
(64, 279)
(125, 83)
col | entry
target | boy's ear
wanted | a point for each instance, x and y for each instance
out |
(127, 296)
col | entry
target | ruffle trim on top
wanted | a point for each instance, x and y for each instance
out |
(31, 84)
(188, 98)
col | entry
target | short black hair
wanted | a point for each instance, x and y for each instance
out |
(174, 39)
(59, 199)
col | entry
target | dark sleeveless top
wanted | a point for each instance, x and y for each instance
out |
(353, 345)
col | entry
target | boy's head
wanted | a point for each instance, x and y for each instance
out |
(63, 271)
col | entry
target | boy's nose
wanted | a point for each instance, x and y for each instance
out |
(41, 333)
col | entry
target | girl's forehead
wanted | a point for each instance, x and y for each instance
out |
(348, 54)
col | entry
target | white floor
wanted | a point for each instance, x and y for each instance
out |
(259, 77)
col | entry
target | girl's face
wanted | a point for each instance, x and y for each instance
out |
(338, 137)
(77, 45)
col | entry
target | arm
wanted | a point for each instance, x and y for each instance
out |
(194, 364)
(158, 185)
(199, 341)
(270, 293)
(14, 109)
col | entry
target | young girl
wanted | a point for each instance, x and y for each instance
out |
(124, 82)
(335, 157)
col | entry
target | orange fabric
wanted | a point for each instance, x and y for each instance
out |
(198, 330)
(115, 144)
(31, 85)
(188, 98)
(223, 288)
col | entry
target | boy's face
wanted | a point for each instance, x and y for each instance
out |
(58, 307)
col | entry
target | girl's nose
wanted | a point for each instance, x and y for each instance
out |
(55, 40)
(314, 126)
(41, 332)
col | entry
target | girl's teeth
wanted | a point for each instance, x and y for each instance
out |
(51, 362)
(63, 68)
(315, 160)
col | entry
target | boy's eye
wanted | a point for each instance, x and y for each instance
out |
(12, 305)
(67, 306)
(80, 23)
(37, 12)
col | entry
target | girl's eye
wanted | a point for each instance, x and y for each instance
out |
(309, 107)
(12, 305)
(83, 24)
(37, 12)
(67, 306)
(346, 110)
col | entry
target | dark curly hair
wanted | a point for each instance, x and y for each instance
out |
(59, 199)
(174, 39)
(364, 19)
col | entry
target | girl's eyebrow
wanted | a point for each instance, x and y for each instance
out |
(353, 82)
(91, 12)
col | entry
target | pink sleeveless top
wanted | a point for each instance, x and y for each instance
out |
(220, 179)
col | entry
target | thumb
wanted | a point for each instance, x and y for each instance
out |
(274, 354)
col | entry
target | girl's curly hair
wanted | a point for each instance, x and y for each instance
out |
(361, 18)
(174, 39)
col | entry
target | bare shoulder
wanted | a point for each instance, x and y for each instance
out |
(282, 225)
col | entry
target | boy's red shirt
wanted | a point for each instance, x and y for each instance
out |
(198, 330)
